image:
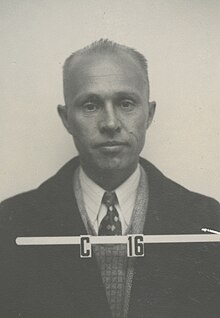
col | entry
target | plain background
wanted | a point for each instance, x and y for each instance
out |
(181, 41)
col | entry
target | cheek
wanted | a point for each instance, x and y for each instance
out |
(83, 132)
(77, 125)
(137, 131)
(137, 126)
(82, 124)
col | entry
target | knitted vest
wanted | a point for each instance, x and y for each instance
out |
(116, 268)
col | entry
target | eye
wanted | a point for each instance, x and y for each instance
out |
(90, 107)
(127, 105)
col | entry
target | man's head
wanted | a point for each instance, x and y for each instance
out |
(107, 109)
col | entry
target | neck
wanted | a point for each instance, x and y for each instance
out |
(109, 180)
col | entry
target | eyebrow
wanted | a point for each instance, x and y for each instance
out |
(98, 97)
(126, 94)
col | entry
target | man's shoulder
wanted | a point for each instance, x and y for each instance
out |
(167, 187)
(25, 205)
(171, 197)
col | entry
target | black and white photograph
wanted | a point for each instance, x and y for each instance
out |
(110, 177)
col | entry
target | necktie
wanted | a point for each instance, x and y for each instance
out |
(110, 224)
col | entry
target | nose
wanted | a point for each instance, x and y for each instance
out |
(109, 122)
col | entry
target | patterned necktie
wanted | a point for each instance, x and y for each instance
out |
(110, 224)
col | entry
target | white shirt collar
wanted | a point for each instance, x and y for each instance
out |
(92, 194)
(126, 194)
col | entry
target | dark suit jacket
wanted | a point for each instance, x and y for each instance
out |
(172, 280)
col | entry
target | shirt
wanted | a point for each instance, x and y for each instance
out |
(93, 194)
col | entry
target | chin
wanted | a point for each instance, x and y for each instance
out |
(114, 165)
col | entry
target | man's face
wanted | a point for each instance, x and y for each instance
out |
(107, 111)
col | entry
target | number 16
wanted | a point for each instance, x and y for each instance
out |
(135, 246)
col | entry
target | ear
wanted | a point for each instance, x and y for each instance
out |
(62, 111)
(151, 112)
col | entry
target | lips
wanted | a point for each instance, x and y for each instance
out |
(111, 147)
(111, 143)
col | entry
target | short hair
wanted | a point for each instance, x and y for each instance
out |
(106, 46)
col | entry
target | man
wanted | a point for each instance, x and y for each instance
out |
(108, 190)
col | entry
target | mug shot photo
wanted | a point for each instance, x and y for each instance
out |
(109, 190)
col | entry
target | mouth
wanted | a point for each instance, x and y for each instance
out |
(111, 143)
(111, 146)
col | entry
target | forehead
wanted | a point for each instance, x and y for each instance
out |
(104, 73)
